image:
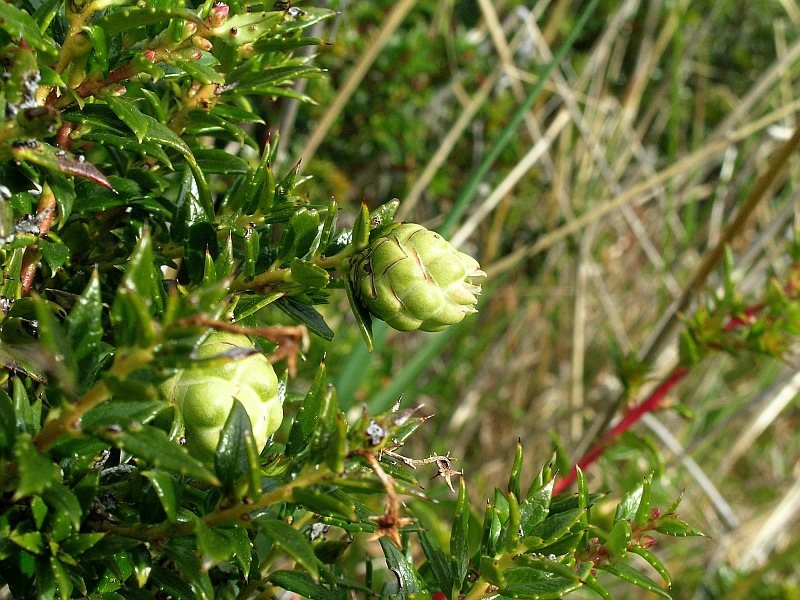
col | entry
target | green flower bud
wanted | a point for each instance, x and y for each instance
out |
(413, 278)
(205, 395)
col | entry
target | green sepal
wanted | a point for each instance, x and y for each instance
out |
(382, 217)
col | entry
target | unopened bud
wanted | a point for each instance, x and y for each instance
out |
(202, 43)
(218, 15)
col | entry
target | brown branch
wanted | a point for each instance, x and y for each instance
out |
(291, 339)
(45, 213)
(389, 522)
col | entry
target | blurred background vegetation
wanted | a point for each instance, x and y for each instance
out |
(621, 175)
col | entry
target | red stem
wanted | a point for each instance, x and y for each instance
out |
(651, 403)
(631, 416)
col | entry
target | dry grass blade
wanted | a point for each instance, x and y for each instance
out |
(391, 24)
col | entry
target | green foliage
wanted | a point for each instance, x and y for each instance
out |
(153, 250)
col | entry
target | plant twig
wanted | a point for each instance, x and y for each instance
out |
(631, 416)
(45, 213)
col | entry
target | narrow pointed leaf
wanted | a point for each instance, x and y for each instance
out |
(164, 485)
(631, 575)
(408, 579)
(293, 543)
(154, 446)
(459, 540)
(306, 315)
(130, 115)
(50, 157)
